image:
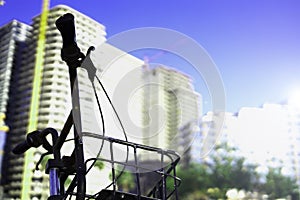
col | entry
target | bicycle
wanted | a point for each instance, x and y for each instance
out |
(61, 167)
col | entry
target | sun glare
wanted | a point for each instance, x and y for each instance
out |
(294, 98)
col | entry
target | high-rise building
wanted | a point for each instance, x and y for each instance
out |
(53, 91)
(13, 36)
(170, 104)
(3, 131)
(13, 43)
(188, 143)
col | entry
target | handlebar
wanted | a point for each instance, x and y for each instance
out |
(33, 139)
(36, 139)
(70, 52)
(65, 24)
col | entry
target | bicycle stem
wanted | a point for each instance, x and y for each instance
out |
(81, 168)
(72, 55)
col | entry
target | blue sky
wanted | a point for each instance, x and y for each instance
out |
(254, 43)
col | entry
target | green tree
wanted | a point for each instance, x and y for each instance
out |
(195, 181)
(223, 170)
(99, 165)
(231, 171)
(126, 181)
(279, 186)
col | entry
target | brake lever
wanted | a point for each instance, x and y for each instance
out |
(41, 159)
(46, 145)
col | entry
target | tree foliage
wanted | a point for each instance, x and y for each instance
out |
(194, 179)
(277, 185)
(225, 170)
(126, 182)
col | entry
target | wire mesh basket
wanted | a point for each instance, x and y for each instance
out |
(153, 169)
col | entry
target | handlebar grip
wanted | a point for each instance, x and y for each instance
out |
(33, 139)
(65, 24)
(21, 148)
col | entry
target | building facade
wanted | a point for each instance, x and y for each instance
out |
(14, 36)
(170, 106)
(3, 131)
(274, 136)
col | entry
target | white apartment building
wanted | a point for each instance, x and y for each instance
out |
(170, 104)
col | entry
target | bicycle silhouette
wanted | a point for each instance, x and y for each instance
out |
(60, 168)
